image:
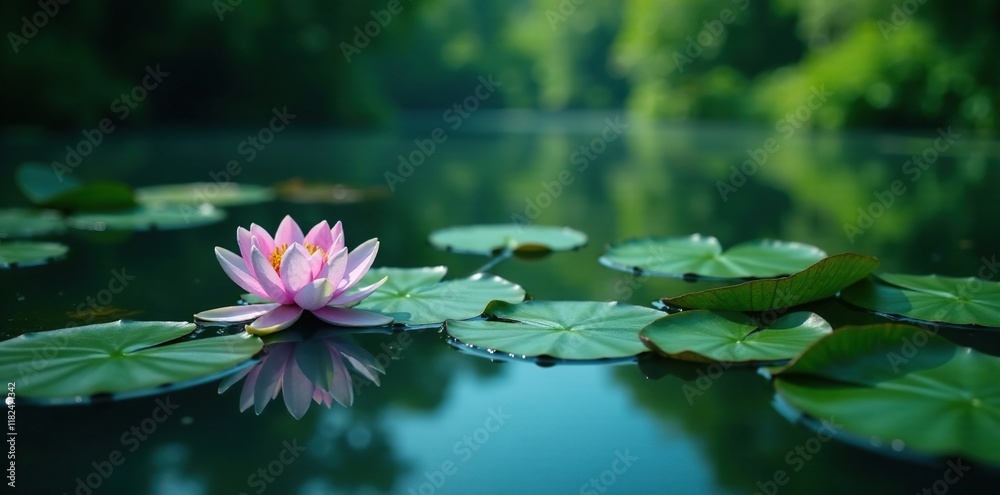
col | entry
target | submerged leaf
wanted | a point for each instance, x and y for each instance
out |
(560, 329)
(703, 256)
(819, 281)
(709, 336)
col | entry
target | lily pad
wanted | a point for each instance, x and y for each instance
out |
(520, 239)
(417, 296)
(148, 218)
(709, 336)
(560, 329)
(300, 191)
(24, 253)
(121, 357)
(703, 256)
(819, 281)
(960, 301)
(48, 187)
(902, 386)
(28, 222)
(215, 194)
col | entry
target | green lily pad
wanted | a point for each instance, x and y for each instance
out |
(417, 296)
(902, 386)
(703, 256)
(28, 222)
(708, 336)
(520, 239)
(121, 357)
(300, 191)
(147, 218)
(215, 194)
(960, 301)
(24, 253)
(45, 187)
(560, 329)
(819, 281)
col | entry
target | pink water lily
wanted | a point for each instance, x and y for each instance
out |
(311, 272)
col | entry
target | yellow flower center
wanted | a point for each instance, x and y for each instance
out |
(279, 252)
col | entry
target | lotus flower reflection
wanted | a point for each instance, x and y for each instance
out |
(311, 272)
(304, 371)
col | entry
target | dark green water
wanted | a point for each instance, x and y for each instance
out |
(620, 428)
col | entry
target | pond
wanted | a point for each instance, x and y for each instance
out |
(448, 419)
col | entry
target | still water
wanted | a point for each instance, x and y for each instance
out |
(447, 421)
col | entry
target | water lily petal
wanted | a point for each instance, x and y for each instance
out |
(360, 359)
(316, 262)
(296, 271)
(337, 232)
(268, 279)
(234, 378)
(236, 314)
(315, 294)
(246, 396)
(320, 236)
(335, 268)
(234, 268)
(341, 389)
(277, 319)
(322, 397)
(272, 369)
(260, 238)
(297, 390)
(348, 317)
(354, 297)
(358, 262)
(288, 232)
(245, 240)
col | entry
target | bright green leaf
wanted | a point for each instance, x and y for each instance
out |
(961, 301)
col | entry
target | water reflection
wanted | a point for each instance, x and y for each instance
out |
(305, 366)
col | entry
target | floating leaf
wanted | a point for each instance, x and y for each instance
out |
(24, 253)
(147, 218)
(703, 256)
(121, 357)
(708, 336)
(560, 329)
(417, 296)
(521, 239)
(897, 383)
(45, 187)
(960, 301)
(28, 222)
(300, 191)
(819, 281)
(216, 194)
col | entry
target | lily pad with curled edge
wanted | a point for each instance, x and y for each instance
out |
(417, 296)
(819, 281)
(195, 193)
(126, 358)
(702, 256)
(709, 336)
(559, 329)
(520, 239)
(149, 218)
(29, 222)
(898, 385)
(25, 253)
(959, 301)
